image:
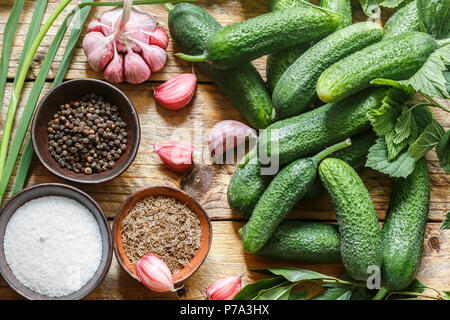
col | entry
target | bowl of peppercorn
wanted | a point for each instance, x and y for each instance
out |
(86, 131)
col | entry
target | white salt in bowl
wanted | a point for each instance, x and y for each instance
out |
(56, 189)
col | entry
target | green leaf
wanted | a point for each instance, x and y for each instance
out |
(443, 152)
(252, 290)
(394, 149)
(391, 3)
(434, 17)
(423, 116)
(415, 287)
(281, 292)
(299, 295)
(377, 159)
(429, 138)
(340, 293)
(408, 90)
(8, 37)
(295, 275)
(430, 79)
(371, 8)
(405, 126)
(446, 222)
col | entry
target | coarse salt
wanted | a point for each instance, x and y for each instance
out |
(53, 245)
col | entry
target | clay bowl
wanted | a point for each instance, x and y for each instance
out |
(56, 189)
(205, 225)
(73, 90)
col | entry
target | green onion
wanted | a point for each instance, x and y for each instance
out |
(8, 37)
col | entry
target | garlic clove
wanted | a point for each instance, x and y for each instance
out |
(94, 25)
(177, 156)
(136, 70)
(160, 38)
(110, 19)
(154, 56)
(114, 71)
(227, 134)
(177, 92)
(98, 50)
(154, 273)
(224, 289)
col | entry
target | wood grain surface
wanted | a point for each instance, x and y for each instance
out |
(208, 182)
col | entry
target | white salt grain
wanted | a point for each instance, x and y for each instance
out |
(53, 245)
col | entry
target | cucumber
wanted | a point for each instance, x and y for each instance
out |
(302, 241)
(310, 132)
(190, 26)
(285, 190)
(404, 19)
(404, 229)
(296, 89)
(277, 63)
(356, 217)
(343, 7)
(245, 41)
(396, 58)
(247, 184)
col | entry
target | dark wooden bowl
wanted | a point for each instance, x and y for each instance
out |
(56, 189)
(76, 89)
(205, 225)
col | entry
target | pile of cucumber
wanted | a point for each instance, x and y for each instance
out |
(315, 52)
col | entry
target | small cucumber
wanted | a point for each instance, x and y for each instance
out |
(404, 19)
(356, 216)
(396, 58)
(302, 241)
(404, 229)
(247, 184)
(285, 190)
(310, 132)
(343, 7)
(245, 41)
(296, 89)
(190, 26)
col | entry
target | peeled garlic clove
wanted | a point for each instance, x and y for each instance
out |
(114, 71)
(224, 289)
(154, 56)
(177, 156)
(154, 273)
(160, 38)
(136, 70)
(228, 134)
(177, 92)
(98, 50)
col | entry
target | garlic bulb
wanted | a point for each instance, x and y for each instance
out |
(125, 44)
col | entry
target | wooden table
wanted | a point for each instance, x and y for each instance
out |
(207, 183)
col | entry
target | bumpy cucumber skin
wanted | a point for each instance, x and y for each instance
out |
(404, 19)
(356, 216)
(296, 89)
(190, 26)
(396, 58)
(404, 228)
(310, 132)
(271, 32)
(247, 184)
(277, 63)
(303, 241)
(343, 7)
(285, 190)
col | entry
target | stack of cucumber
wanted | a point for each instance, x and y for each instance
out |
(315, 52)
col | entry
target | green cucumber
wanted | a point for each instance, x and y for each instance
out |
(404, 229)
(310, 132)
(356, 216)
(190, 26)
(302, 241)
(247, 184)
(245, 41)
(343, 7)
(396, 58)
(296, 89)
(285, 190)
(404, 19)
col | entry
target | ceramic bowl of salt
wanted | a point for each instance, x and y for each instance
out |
(56, 243)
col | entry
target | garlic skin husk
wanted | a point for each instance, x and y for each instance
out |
(224, 289)
(154, 273)
(177, 92)
(227, 134)
(129, 36)
(177, 156)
